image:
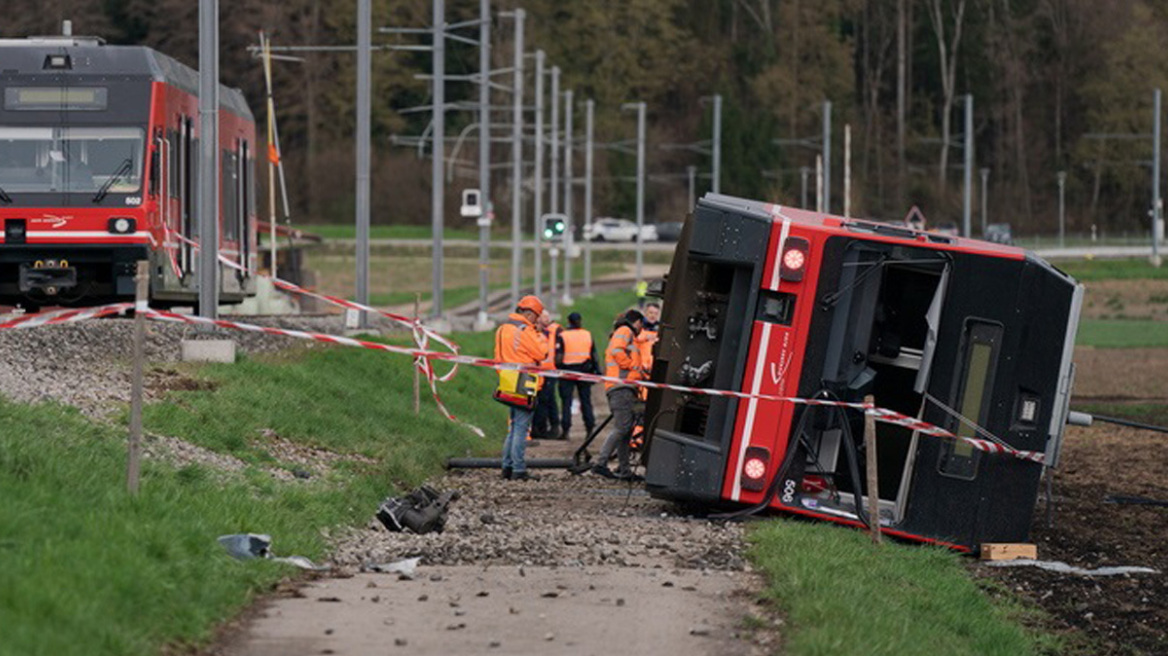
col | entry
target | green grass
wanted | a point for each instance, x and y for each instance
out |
(89, 570)
(1093, 270)
(1123, 333)
(843, 595)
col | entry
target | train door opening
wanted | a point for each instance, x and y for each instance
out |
(883, 333)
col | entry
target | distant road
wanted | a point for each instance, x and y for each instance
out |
(1047, 253)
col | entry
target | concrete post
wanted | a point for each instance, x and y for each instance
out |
(967, 199)
(484, 157)
(208, 158)
(826, 156)
(568, 227)
(517, 159)
(537, 245)
(437, 183)
(589, 108)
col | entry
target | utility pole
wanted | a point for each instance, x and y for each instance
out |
(967, 202)
(826, 157)
(1062, 185)
(1157, 202)
(538, 215)
(640, 108)
(717, 145)
(209, 158)
(804, 171)
(437, 184)
(691, 174)
(985, 182)
(847, 170)
(517, 158)
(567, 297)
(589, 107)
(484, 156)
(555, 154)
(819, 182)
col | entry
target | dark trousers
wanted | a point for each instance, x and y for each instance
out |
(585, 391)
(545, 409)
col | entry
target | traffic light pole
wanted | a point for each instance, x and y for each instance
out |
(538, 191)
(517, 159)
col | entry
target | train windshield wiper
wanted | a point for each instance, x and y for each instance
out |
(127, 164)
(4, 196)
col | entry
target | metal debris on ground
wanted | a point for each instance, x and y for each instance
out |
(247, 546)
(405, 567)
(420, 511)
(1063, 568)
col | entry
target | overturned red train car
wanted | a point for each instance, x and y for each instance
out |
(778, 301)
(98, 169)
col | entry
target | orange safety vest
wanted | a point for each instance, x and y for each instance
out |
(645, 344)
(517, 341)
(550, 361)
(622, 358)
(577, 345)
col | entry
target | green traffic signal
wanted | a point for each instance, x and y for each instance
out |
(553, 228)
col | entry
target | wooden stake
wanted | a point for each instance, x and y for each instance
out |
(133, 464)
(873, 479)
(417, 373)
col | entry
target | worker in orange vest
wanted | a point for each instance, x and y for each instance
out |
(546, 425)
(648, 337)
(575, 351)
(622, 360)
(520, 341)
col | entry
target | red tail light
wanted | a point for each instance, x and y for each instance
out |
(794, 260)
(754, 468)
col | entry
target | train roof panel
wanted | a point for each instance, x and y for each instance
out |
(867, 228)
(90, 56)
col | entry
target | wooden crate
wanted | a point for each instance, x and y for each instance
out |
(1008, 551)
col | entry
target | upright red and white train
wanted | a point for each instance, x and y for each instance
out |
(98, 169)
(974, 337)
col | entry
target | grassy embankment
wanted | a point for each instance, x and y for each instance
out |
(89, 570)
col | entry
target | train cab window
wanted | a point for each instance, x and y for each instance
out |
(230, 195)
(974, 380)
(78, 159)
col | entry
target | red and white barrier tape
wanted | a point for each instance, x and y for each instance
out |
(60, 317)
(881, 414)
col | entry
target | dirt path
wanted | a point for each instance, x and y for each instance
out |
(563, 565)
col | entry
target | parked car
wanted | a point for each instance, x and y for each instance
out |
(999, 233)
(947, 228)
(608, 229)
(669, 231)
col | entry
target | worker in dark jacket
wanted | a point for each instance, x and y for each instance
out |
(575, 351)
(622, 360)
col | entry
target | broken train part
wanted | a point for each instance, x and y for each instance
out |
(421, 511)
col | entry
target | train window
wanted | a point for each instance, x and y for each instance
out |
(72, 159)
(229, 193)
(171, 163)
(975, 381)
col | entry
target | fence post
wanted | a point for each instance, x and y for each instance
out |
(873, 479)
(417, 372)
(133, 464)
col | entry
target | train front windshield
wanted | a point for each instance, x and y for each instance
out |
(81, 160)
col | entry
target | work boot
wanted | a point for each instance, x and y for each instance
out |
(601, 470)
(524, 476)
(506, 473)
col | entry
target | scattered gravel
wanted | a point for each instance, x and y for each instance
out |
(559, 521)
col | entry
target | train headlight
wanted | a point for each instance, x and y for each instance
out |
(794, 259)
(122, 225)
(15, 231)
(754, 468)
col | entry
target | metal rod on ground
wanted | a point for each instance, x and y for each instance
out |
(538, 192)
(589, 107)
(717, 145)
(417, 372)
(209, 158)
(967, 198)
(134, 447)
(826, 157)
(517, 157)
(484, 157)
(567, 296)
(438, 136)
(873, 478)
(1062, 185)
